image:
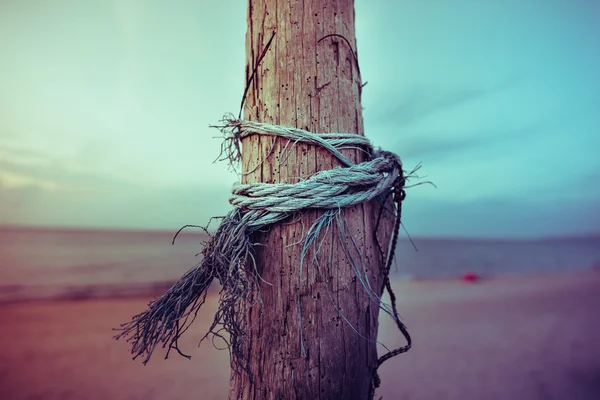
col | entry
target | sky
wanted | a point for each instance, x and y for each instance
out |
(105, 109)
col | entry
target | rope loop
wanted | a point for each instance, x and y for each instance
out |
(335, 188)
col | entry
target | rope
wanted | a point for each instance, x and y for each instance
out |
(257, 205)
(335, 188)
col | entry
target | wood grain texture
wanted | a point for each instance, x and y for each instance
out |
(315, 86)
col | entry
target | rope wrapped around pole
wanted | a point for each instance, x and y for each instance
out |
(228, 255)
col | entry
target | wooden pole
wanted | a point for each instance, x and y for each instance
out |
(314, 85)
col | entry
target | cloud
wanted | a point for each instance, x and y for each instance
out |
(37, 189)
(144, 208)
(414, 103)
(33, 168)
(438, 144)
(500, 217)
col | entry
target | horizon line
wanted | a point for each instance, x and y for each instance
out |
(73, 229)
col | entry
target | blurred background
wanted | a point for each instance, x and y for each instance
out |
(106, 151)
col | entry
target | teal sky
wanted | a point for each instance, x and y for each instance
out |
(105, 107)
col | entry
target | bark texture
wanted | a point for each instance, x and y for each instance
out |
(316, 86)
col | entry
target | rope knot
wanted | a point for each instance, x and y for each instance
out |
(392, 158)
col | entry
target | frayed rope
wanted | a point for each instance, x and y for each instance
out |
(228, 255)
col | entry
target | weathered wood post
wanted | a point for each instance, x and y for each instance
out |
(312, 83)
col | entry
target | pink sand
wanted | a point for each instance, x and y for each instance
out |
(520, 337)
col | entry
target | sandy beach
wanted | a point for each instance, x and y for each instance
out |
(511, 337)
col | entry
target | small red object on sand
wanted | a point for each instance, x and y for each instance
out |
(470, 277)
